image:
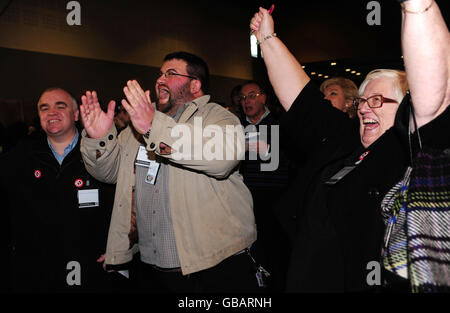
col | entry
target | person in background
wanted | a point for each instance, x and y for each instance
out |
(34, 126)
(236, 107)
(121, 119)
(341, 92)
(266, 186)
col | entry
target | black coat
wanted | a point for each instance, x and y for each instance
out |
(338, 228)
(254, 177)
(45, 228)
(272, 248)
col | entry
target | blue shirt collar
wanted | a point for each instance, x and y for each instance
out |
(67, 150)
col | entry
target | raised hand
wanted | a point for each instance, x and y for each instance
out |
(138, 106)
(285, 73)
(262, 24)
(96, 122)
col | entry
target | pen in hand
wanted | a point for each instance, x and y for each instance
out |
(272, 7)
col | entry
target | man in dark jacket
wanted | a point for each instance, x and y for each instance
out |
(266, 173)
(57, 215)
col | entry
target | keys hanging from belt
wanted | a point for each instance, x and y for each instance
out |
(261, 273)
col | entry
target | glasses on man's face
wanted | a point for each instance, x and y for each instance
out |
(251, 96)
(375, 101)
(171, 73)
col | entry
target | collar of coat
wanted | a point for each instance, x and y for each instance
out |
(193, 106)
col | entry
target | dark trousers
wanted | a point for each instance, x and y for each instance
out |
(272, 248)
(235, 274)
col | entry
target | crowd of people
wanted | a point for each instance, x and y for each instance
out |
(133, 199)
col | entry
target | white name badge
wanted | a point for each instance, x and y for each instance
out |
(88, 198)
(142, 157)
(152, 172)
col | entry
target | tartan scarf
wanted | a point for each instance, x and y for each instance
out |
(417, 212)
(428, 221)
(394, 255)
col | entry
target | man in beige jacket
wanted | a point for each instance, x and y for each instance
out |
(177, 182)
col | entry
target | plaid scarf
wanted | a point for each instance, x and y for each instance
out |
(395, 258)
(417, 213)
(428, 221)
(417, 216)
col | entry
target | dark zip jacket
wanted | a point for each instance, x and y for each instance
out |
(49, 243)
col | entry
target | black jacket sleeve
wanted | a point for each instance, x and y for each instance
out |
(311, 120)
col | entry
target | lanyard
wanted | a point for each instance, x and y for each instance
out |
(347, 169)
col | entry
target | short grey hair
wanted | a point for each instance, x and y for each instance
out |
(400, 86)
(72, 99)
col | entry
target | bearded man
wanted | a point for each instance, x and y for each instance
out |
(190, 218)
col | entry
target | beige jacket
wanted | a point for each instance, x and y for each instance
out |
(211, 208)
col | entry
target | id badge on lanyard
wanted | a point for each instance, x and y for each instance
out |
(153, 166)
(344, 171)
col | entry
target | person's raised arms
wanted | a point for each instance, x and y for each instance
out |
(285, 73)
(426, 53)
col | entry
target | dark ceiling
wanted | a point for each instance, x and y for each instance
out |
(317, 32)
(321, 32)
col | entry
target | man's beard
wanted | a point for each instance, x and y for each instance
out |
(176, 99)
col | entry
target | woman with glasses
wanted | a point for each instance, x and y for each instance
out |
(380, 94)
(337, 246)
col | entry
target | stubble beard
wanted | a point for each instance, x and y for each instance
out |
(176, 100)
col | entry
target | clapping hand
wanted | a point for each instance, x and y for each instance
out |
(138, 106)
(96, 122)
